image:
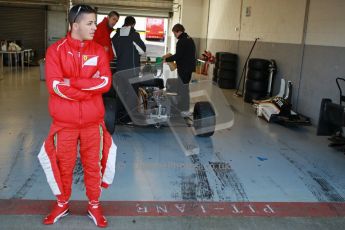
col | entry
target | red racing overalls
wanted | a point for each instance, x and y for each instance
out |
(77, 73)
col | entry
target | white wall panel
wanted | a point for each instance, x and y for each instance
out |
(192, 17)
(273, 20)
(326, 23)
(57, 26)
(204, 19)
(224, 19)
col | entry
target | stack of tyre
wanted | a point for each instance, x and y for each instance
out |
(257, 79)
(225, 71)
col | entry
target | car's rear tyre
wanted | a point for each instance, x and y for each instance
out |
(204, 119)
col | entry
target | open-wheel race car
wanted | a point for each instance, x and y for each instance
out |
(153, 95)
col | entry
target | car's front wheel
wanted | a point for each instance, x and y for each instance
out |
(204, 119)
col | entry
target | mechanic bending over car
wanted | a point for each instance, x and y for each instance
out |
(128, 45)
(77, 73)
(185, 63)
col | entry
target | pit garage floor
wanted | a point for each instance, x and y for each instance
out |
(255, 175)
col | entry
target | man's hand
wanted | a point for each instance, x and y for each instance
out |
(166, 56)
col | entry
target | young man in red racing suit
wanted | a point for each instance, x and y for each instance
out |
(77, 73)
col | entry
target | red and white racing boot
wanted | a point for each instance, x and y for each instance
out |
(95, 212)
(60, 209)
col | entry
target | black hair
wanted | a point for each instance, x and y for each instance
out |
(113, 13)
(129, 21)
(178, 27)
(77, 10)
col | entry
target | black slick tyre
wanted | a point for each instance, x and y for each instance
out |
(204, 119)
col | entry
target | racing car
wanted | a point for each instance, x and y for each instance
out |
(151, 96)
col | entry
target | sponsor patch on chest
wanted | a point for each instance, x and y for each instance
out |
(90, 60)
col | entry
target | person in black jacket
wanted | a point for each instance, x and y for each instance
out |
(185, 62)
(185, 54)
(128, 45)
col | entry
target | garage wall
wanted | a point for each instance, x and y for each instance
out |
(324, 55)
(57, 24)
(26, 24)
(193, 15)
(279, 27)
(235, 24)
(176, 18)
(204, 26)
(326, 23)
(191, 21)
(305, 37)
(273, 21)
(224, 21)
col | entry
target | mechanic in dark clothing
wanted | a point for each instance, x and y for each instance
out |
(128, 45)
(185, 62)
(185, 54)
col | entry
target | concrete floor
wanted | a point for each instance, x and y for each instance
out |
(253, 163)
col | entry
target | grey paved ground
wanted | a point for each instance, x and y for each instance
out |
(268, 162)
(181, 223)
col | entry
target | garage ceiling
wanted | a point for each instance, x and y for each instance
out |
(165, 6)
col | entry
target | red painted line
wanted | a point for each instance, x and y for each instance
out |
(179, 208)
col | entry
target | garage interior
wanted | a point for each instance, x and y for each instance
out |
(254, 175)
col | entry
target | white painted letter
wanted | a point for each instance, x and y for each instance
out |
(180, 207)
(251, 208)
(141, 209)
(268, 209)
(203, 209)
(161, 209)
(235, 209)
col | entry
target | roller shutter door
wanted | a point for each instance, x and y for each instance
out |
(26, 24)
